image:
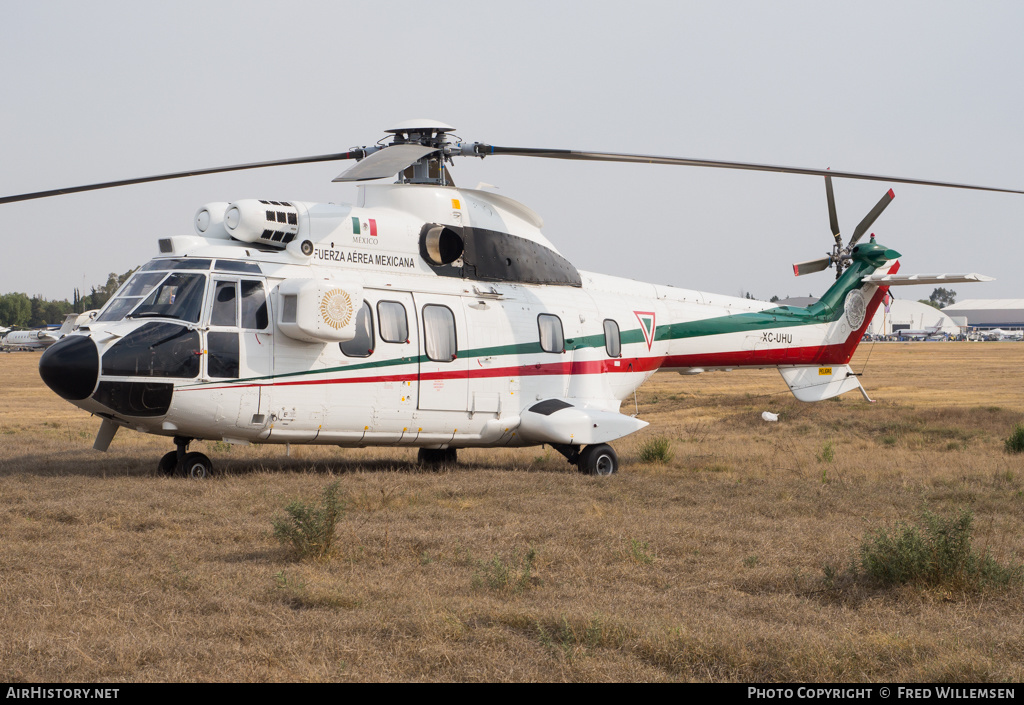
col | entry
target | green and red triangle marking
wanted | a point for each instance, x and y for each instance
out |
(647, 325)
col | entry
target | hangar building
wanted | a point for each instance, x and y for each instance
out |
(986, 314)
(906, 314)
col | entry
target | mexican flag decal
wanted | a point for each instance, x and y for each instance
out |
(357, 230)
(646, 319)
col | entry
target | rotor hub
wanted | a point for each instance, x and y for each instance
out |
(430, 169)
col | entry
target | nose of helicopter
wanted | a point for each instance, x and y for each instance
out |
(70, 367)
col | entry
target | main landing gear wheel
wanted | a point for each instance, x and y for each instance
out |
(599, 459)
(196, 466)
(168, 464)
(437, 457)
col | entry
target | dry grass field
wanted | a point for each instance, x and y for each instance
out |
(729, 562)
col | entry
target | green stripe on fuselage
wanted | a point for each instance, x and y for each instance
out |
(826, 310)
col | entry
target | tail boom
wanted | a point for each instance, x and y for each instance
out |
(807, 341)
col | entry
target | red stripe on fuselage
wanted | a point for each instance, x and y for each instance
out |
(839, 354)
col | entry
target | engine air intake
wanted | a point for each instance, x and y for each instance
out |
(441, 245)
(272, 223)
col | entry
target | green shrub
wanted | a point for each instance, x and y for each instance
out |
(656, 450)
(514, 575)
(937, 552)
(828, 452)
(1015, 443)
(639, 552)
(309, 528)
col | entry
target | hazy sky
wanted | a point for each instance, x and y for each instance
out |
(109, 90)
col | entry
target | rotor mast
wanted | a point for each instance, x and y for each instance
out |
(429, 169)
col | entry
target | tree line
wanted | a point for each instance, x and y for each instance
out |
(21, 311)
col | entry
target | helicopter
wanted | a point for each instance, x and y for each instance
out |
(432, 316)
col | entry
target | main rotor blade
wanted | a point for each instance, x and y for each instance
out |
(483, 150)
(354, 154)
(833, 219)
(870, 218)
(386, 162)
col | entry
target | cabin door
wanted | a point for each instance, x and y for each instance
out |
(443, 383)
(239, 346)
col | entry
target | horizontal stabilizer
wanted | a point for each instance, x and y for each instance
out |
(908, 279)
(819, 382)
(558, 421)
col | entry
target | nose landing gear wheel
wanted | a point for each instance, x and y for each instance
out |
(599, 459)
(184, 464)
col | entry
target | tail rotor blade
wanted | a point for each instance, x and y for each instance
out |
(833, 219)
(811, 266)
(870, 218)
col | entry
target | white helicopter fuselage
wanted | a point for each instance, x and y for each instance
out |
(432, 316)
(423, 316)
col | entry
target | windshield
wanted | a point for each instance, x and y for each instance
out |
(176, 295)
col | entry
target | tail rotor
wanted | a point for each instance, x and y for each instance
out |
(840, 256)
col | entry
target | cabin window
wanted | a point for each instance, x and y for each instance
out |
(612, 339)
(394, 325)
(225, 306)
(362, 344)
(551, 338)
(439, 333)
(254, 305)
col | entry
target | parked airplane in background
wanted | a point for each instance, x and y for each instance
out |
(929, 333)
(1000, 334)
(42, 338)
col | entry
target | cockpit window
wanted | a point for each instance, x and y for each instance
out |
(142, 284)
(225, 306)
(185, 263)
(178, 296)
(160, 293)
(118, 309)
(227, 265)
(130, 295)
(254, 305)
